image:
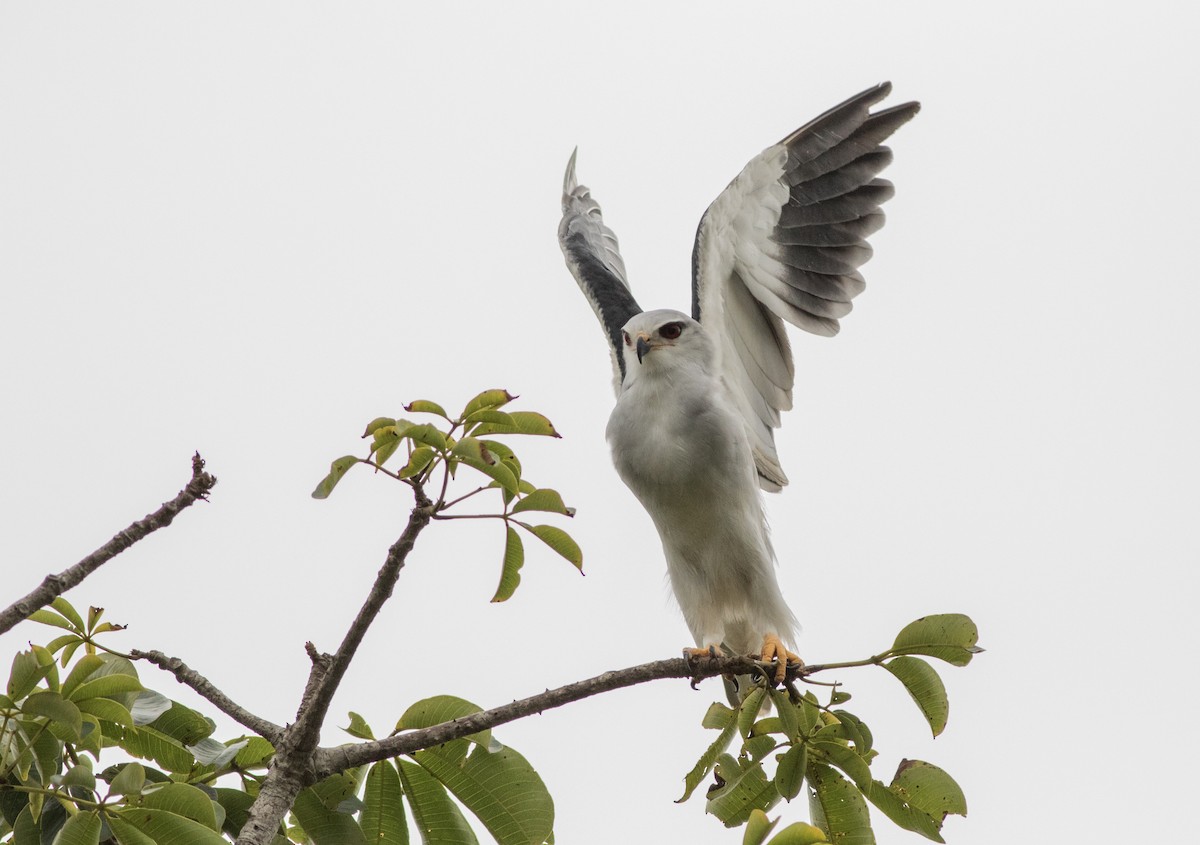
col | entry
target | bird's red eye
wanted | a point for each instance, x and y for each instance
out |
(625, 337)
(671, 330)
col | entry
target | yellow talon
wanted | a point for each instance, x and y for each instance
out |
(774, 651)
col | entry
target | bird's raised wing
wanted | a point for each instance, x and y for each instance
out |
(594, 259)
(784, 242)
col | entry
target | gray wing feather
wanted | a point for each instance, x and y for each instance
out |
(784, 243)
(594, 259)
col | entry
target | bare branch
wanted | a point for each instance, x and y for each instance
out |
(55, 585)
(292, 766)
(331, 760)
(190, 677)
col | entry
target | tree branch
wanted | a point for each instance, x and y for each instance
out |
(331, 760)
(190, 677)
(55, 585)
(292, 766)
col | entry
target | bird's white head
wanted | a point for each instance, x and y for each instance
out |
(665, 342)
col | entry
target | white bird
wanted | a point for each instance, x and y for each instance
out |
(699, 397)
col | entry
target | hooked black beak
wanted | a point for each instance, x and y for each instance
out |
(643, 348)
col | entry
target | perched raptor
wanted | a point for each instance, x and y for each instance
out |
(699, 397)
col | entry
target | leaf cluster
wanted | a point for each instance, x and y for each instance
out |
(436, 454)
(830, 749)
(55, 725)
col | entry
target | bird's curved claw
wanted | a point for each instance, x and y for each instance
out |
(774, 651)
(691, 655)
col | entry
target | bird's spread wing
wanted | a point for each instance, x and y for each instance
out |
(784, 242)
(594, 259)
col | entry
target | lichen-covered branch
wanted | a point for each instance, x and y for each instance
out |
(190, 677)
(55, 585)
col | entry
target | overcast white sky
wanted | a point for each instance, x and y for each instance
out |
(248, 228)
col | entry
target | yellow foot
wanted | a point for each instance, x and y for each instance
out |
(774, 651)
(707, 651)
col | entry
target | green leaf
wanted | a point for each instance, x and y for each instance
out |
(428, 434)
(789, 776)
(926, 688)
(749, 709)
(384, 447)
(126, 833)
(81, 775)
(838, 807)
(810, 713)
(105, 686)
(424, 406)
(929, 789)
(848, 761)
(947, 636)
(58, 710)
(543, 499)
(358, 727)
(80, 672)
(236, 804)
(80, 829)
(169, 829)
(437, 818)
(500, 788)
(789, 713)
(105, 627)
(487, 399)
(520, 422)
(717, 717)
(417, 461)
(758, 827)
(558, 540)
(149, 744)
(746, 788)
(383, 819)
(49, 617)
(128, 781)
(68, 610)
(903, 815)
(707, 760)
(489, 415)
(514, 559)
(26, 673)
(47, 751)
(256, 753)
(25, 828)
(185, 800)
(378, 423)
(183, 724)
(440, 709)
(863, 740)
(336, 470)
(323, 825)
(475, 454)
(94, 614)
(800, 833)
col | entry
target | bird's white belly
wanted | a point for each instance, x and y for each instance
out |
(691, 467)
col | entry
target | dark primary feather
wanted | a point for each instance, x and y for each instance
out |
(590, 249)
(784, 243)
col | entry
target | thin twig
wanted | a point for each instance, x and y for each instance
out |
(441, 516)
(55, 585)
(202, 685)
(465, 496)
